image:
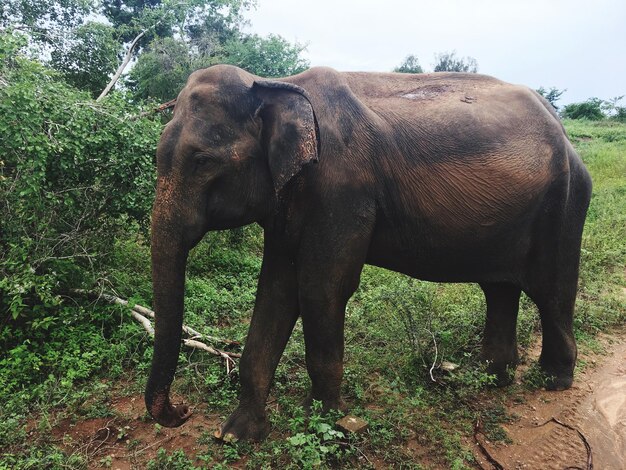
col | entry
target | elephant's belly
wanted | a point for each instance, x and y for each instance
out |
(438, 257)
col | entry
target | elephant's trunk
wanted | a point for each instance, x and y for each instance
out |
(169, 259)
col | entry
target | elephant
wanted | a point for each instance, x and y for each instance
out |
(446, 177)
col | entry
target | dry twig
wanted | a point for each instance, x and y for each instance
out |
(478, 430)
(140, 313)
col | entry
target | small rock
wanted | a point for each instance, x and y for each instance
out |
(448, 366)
(352, 424)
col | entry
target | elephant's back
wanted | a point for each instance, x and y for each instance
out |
(422, 87)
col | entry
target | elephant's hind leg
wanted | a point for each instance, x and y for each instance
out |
(553, 274)
(500, 338)
(555, 301)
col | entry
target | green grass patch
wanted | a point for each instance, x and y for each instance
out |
(66, 359)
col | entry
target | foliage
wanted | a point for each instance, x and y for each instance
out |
(44, 20)
(74, 176)
(409, 65)
(590, 109)
(272, 56)
(175, 461)
(161, 72)
(174, 39)
(614, 110)
(552, 95)
(596, 109)
(317, 443)
(87, 57)
(450, 62)
(166, 18)
(207, 32)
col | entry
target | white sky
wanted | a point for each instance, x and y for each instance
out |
(575, 44)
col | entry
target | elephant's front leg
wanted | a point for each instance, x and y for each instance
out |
(327, 280)
(323, 325)
(275, 313)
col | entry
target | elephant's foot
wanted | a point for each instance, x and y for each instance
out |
(327, 404)
(166, 414)
(557, 378)
(245, 426)
(504, 373)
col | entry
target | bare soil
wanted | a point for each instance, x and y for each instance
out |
(595, 406)
(130, 440)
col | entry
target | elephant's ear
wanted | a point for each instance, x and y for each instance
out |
(290, 131)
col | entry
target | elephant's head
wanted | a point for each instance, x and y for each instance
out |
(231, 148)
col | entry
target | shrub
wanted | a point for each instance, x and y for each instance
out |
(73, 174)
(590, 109)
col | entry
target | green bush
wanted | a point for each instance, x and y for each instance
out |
(74, 174)
(590, 109)
(620, 113)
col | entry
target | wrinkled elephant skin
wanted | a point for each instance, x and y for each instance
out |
(445, 177)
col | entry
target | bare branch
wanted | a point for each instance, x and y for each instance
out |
(158, 109)
(124, 63)
(434, 360)
(141, 314)
(129, 55)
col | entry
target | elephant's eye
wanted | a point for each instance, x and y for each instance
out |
(202, 160)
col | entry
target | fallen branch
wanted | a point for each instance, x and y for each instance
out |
(144, 322)
(159, 109)
(140, 313)
(122, 67)
(478, 430)
(150, 313)
(192, 343)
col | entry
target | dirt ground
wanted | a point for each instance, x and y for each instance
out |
(595, 406)
(129, 440)
(592, 411)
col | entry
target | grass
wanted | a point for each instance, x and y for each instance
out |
(93, 353)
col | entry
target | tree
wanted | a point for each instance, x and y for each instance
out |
(552, 95)
(88, 56)
(449, 62)
(43, 20)
(272, 56)
(409, 65)
(590, 109)
(161, 71)
(167, 18)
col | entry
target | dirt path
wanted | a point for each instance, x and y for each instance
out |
(129, 440)
(595, 405)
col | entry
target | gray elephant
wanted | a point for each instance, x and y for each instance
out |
(445, 177)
